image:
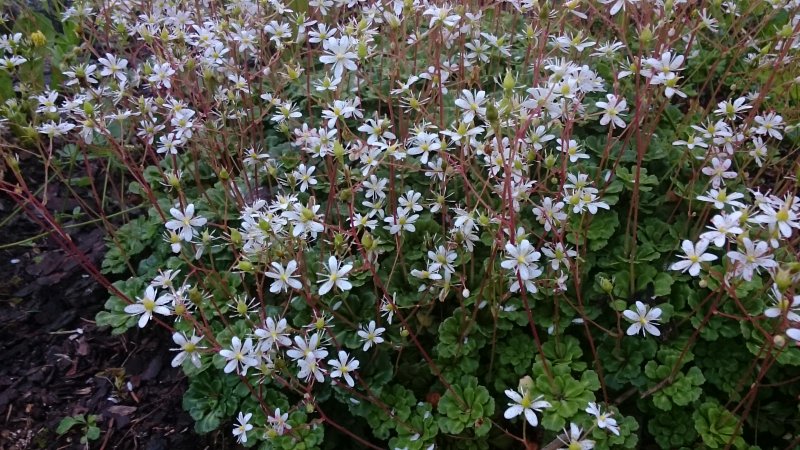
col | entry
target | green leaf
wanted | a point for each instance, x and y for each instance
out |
(67, 423)
(602, 227)
(93, 433)
(662, 284)
(473, 410)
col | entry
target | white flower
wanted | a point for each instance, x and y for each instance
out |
(612, 110)
(781, 305)
(186, 347)
(472, 104)
(769, 124)
(113, 67)
(643, 319)
(310, 368)
(307, 350)
(604, 420)
(442, 258)
(305, 220)
(572, 149)
(522, 403)
(148, 305)
(241, 429)
(401, 221)
(273, 333)
(719, 171)
(573, 439)
(522, 258)
(784, 216)
(278, 421)
(337, 52)
(618, 5)
(732, 108)
(240, 356)
(720, 198)
(754, 257)
(183, 222)
(724, 225)
(284, 277)
(335, 277)
(695, 254)
(370, 335)
(343, 367)
(305, 176)
(427, 274)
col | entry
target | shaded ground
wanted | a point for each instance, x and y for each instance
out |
(54, 362)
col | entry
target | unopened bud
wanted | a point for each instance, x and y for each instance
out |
(525, 383)
(492, 115)
(783, 279)
(346, 195)
(607, 285)
(236, 237)
(38, 39)
(646, 36)
(509, 83)
(338, 150)
(195, 296)
(367, 241)
(549, 161)
(12, 162)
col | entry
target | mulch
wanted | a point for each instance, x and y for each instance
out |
(55, 362)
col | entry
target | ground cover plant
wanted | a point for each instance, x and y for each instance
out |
(420, 225)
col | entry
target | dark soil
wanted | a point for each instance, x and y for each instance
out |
(54, 361)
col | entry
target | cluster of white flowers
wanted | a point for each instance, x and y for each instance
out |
(282, 110)
(747, 232)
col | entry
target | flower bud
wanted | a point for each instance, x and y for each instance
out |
(38, 39)
(525, 384)
(346, 195)
(338, 150)
(245, 266)
(12, 162)
(549, 161)
(492, 115)
(607, 285)
(367, 241)
(786, 31)
(544, 9)
(88, 109)
(646, 36)
(783, 279)
(236, 237)
(509, 83)
(363, 52)
(195, 296)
